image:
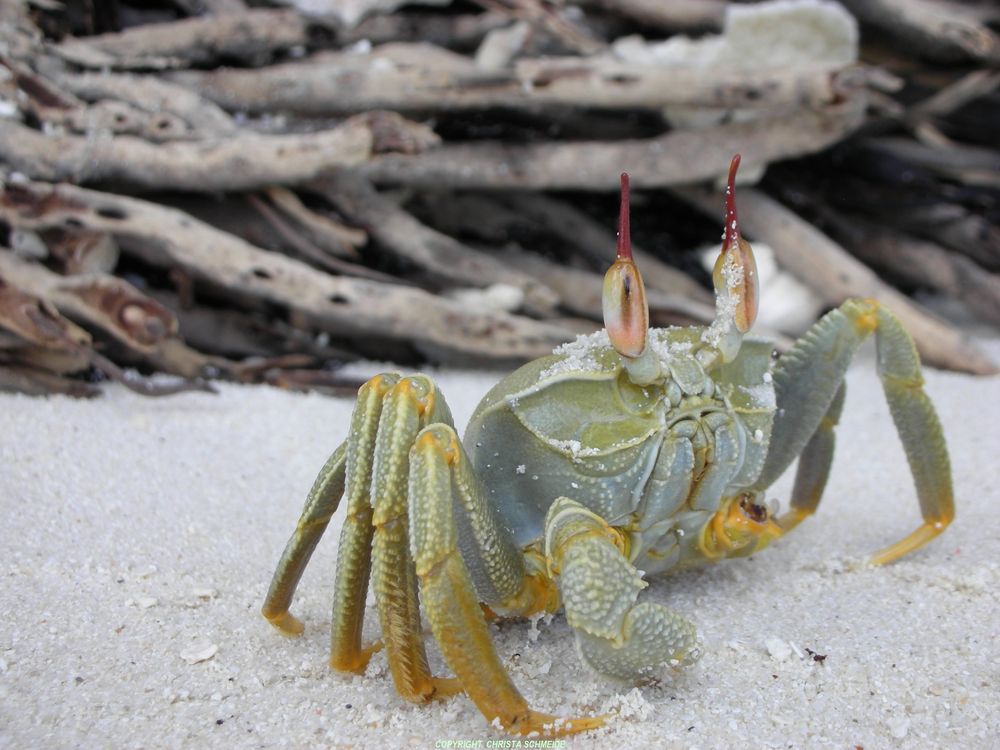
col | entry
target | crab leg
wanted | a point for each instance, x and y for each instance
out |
(447, 591)
(353, 458)
(599, 588)
(409, 406)
(321, 504)
(814, 467)
(354, 552)
(807, 380)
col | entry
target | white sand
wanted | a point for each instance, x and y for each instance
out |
(136, 531)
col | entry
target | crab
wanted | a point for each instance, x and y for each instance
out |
(629, 453)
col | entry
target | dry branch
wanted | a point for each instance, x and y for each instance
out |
(35, 382)
(305, 248)
(937, 29)
(56, 106)
(970, 164)
(252, 36)
(673, 15)
(497, 217)
(53, 344)
(682, 156)
(519, 113)
(420, 77)
(141, 325)
(594, 241)
(241, 162)
(348, 308)
(153, 96)
(441, 259)
(966, 89)
(37, 324)
(464, 31)
(926, 264)
(332, 236)
(835, 275)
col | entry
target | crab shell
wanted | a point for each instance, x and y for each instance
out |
(574, 423)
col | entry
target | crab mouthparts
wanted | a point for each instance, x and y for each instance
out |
(626, 315)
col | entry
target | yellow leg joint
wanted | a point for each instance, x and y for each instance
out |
(739, 527)
(538, 592)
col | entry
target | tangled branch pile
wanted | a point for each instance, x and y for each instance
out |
(212, 190)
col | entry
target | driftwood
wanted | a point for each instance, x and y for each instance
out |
(679, 157)
(673, 15)
(966, 89)
(455, 32)
(971, 164)
(252, 35)
(349, 308)
(155, 97)
(835, 275)
(305, 248)
(928, 265)
(429, 253)
(36, 382)
(291, 218)
(423, 78)
(141, 325)
(217, 164)
(54, 345)
(938, 29)
(497, 217)
(334, 237)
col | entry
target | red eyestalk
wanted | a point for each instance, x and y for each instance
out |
(735, 273)
(732, 222)
(624, 231)
(626, 316)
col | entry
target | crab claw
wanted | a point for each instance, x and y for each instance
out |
(735, 272)
(626, 315)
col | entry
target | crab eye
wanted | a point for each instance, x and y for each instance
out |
(626, 316)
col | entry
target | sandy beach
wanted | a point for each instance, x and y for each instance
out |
(139, 536)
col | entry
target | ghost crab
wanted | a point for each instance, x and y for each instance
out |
(629, 453)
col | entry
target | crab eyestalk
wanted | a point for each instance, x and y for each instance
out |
(626, 314)
(737, 289)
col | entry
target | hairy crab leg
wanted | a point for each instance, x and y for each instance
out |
(809, 376)
(447, 591)
(407, 408)
(599, 587)
(321, 504)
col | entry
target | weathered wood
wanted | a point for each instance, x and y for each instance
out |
(499, 216)
(140, 324)
(927, 264)
(346, 307)
(420, 77)
(310, 252)
(936, 29)
(17, 378)
(252, 36)
(455, 31)
(678, 157)
(334, 237)
(971, 165)
(240, 162)
(441, 259)
(835, 275)
(154, 96)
